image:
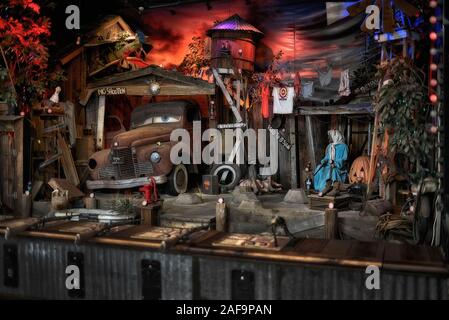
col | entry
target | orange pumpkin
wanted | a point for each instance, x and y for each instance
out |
(359, 170)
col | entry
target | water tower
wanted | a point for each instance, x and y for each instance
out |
(233, 44)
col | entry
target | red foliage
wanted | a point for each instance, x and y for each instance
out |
(24, 38)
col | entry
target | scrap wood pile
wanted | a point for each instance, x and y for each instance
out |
(56, 174)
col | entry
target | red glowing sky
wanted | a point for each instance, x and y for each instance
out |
(171, 34)
(172, 29)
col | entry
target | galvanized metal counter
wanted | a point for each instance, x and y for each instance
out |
(121, 266)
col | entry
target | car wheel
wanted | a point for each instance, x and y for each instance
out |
(178, 181)
(228, 175)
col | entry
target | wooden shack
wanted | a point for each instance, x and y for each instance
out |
(119, 94)
(94, 54)
(105, 48)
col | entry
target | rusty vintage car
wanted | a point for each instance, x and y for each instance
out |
(144, 151)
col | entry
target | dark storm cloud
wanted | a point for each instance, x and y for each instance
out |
(165, 38)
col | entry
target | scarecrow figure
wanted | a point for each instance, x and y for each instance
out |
(332, 171)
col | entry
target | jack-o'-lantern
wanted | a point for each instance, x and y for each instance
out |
(359, 170)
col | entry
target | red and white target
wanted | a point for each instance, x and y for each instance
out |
(283, 93)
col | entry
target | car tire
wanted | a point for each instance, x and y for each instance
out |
(178, 181)
(233, 178)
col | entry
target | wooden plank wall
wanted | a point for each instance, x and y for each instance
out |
(11, 160)
(75, 85)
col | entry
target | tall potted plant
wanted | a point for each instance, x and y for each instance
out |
(404, 110)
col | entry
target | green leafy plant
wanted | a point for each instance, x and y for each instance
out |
(124, 206)
(404, 108)
(363, 78)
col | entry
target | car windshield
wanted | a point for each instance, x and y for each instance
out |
(158, 119)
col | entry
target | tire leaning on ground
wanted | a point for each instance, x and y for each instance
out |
(178, 181)
(234, 174)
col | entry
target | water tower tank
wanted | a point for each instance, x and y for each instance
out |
(233, 44)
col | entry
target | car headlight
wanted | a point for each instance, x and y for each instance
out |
(155, 157)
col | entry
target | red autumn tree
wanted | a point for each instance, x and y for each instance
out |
(196, 59)
(24, 39)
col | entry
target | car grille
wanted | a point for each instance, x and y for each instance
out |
(125, 166)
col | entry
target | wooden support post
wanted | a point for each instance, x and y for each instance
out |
(370, 134)
(311, 140)
(383, 53)
(221, 217)
(331, 224)
(293, 154)
(404, 47)
(374, 151)
(150, 214)
(90, 203)
(26, 205)
(100, 121)
(228, 97)
(18, 153)
(349, 133)
(67, 161)
(239, 91)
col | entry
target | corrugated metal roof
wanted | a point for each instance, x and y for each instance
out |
(235, 23)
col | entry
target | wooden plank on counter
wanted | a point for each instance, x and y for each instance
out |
(337, 249)
(311, 246)
(340, 253)
(405, 257)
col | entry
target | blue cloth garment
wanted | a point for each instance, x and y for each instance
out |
(338, 152)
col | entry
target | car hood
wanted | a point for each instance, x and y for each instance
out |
(151, 134)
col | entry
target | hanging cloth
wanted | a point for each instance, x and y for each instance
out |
(307, 89)
(265, 102)
(325, 77)
(283, 98)
(344, 90)
(337, 138)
